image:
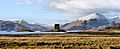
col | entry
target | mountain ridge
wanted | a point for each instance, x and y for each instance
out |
(91, 16)
(91, 21)
(115, 19)
(18, 24)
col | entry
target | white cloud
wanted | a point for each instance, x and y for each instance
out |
(84, 7)
(28, 1)
(23, 1)
(57, 20)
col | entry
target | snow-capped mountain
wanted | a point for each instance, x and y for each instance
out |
(91, 16)
(17, 24)
(110, 26)
(115, 19)
(19, 21)
(91, 21)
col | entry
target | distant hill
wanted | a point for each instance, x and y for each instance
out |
(115, 19)
(113, 26)
(18, 24)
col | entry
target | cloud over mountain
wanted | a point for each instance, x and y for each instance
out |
(77, 7)
(85, 7)
(73, 8)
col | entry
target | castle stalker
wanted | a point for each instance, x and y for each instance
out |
(57, 27)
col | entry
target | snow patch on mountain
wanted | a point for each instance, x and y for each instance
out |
(16, 20)
(91, 16)
(115, 19)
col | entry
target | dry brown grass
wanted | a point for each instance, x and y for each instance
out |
(60, 41)
(110, 30)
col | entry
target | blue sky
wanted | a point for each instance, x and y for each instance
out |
(55, 11)
(33, 12)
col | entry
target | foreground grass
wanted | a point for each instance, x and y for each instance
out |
(60, 41)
